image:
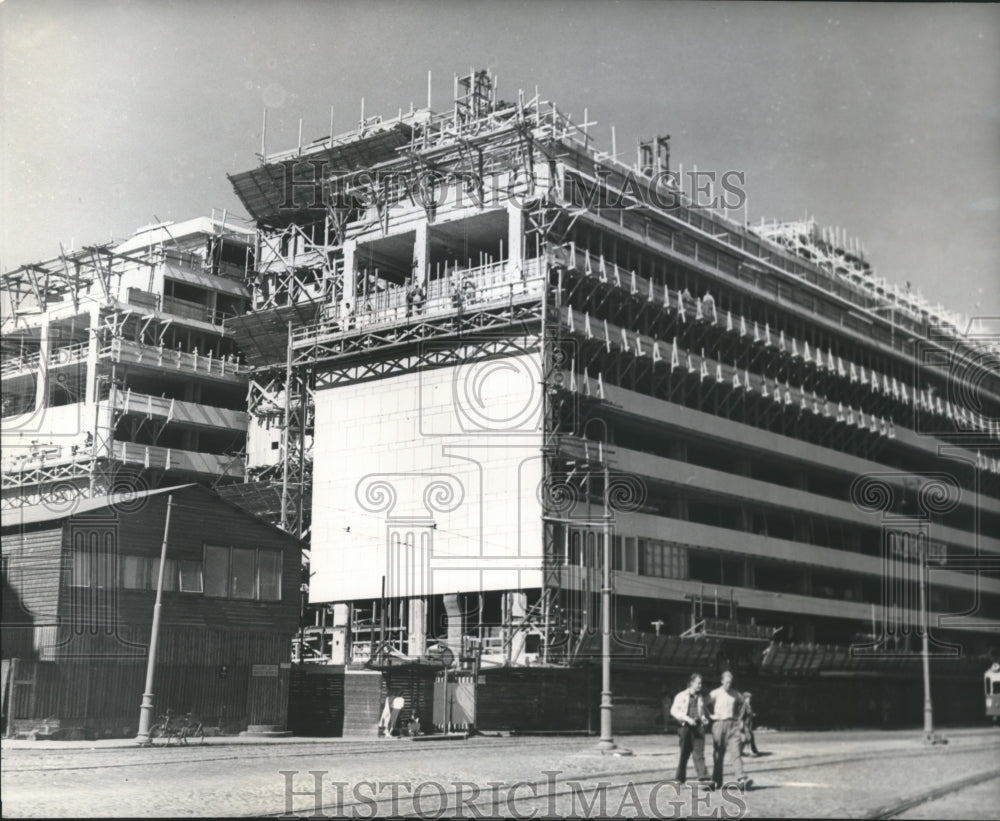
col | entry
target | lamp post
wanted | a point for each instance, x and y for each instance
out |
(303, 592)
(606, 745)
(607, 741)
(925, 646)
(146, 710)
(923, 546)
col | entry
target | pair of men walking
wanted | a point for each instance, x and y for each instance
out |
(723, 708)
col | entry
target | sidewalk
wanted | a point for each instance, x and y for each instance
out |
(652, 743)
(212, 741)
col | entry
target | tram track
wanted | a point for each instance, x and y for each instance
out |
(556, 786)
(903, 806)
(457, 798)
(181, 754)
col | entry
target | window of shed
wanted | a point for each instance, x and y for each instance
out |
(80, 570)
(169, 574)
(104, 568)
(243, 584)
(270, 575)
(135, 572)
(190, 576)
(216, 571)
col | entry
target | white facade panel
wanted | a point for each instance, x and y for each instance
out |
(445, 463)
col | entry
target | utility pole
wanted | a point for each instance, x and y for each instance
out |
(146, 710)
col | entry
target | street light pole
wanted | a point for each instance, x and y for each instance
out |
(607, 741)
(607, 744)
(926, 658)
(146, 710)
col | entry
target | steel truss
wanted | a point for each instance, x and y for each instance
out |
(34, 287)
(62, 486)
(311, 273)
(316, 348)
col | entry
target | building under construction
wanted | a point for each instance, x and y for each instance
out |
(117, 370)
(481, 345)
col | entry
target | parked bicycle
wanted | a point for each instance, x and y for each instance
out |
(185, 729)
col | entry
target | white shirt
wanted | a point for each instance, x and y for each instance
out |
(681, 703)
(723, 704)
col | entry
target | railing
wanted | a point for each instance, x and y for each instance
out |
(160, 356)
(11, 366)
(65, 355)
(143, 299)
(465, 289)
(153, 456)
(48, 454)
(187, 309)
(869, 295)
(179, 411)
(41, 454)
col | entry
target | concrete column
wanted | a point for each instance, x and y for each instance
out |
(420, 255)
(92, 353)
(42, 382)
(515, 236)
(417, 638)
(453, 610)
(518, 604)
(350, 274)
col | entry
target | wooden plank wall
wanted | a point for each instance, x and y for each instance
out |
(416, 686)
(316, 700)
(537, 699)
(177, 647)
(326, 701)
(529, 699)
(199, 519)
(363, 702)
(107, 695)
(32, 557)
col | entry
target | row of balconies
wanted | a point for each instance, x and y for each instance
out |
(41, 456)
(464, 289)
(66, 433)
(120, 350)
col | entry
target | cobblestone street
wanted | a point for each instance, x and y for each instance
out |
(834, 774)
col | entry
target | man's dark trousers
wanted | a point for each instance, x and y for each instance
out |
(692, 740)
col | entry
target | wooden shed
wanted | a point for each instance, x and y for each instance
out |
(79, 587)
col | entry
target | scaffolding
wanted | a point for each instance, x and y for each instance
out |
(88, 337)
(603, 318)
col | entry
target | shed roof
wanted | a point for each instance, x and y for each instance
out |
(125, 504)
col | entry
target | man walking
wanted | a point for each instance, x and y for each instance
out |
(726, 704)
(688, 709)
(746, 727)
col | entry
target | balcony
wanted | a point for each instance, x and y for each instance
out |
(191, 414)
(465, 290)
(30, 363)
(161, 358)
(40, 458)
(152, 456)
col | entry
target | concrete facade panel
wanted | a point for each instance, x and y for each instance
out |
(430, 479)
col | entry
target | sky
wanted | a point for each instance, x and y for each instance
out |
(881, 119)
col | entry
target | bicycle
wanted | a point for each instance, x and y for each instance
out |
(187, 730)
